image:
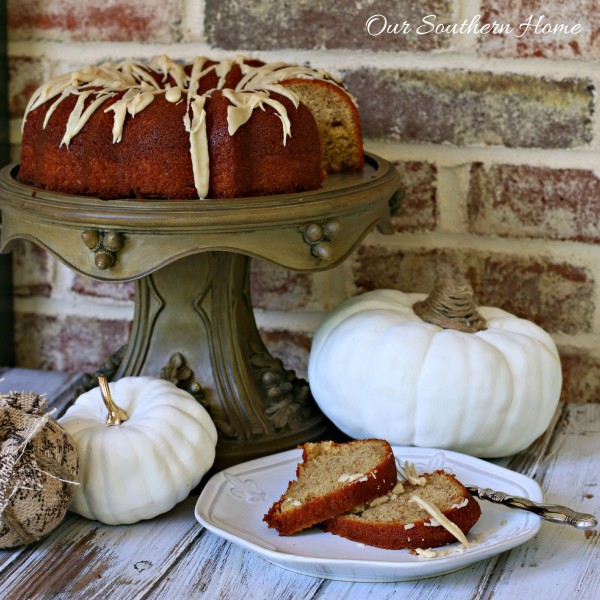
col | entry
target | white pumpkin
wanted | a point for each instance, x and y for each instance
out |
(140, 467)
(376, 369)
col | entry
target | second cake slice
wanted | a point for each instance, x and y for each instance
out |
(331, 479)
(429, 511)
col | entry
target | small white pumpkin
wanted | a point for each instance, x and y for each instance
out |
(377, 369)
(153, 449)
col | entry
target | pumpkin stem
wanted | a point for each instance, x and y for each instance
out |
(115, 413)
(450, 305)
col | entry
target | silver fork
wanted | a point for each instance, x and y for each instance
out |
(554, 513)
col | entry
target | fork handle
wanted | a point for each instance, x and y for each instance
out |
(550, 512)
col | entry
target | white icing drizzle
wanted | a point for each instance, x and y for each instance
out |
(197, 129)
(133, 101)
(243, 104)
(350, 477)
(140, 84)
(271, 74)
(197, 73)
(79, 117)
(163, 64)
(198, 144)
(53, 107)
(461, 504)
(173, 94)
(411, 475)
(441, 519)
(139, 102)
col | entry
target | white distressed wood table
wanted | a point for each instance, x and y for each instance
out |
(172, 556)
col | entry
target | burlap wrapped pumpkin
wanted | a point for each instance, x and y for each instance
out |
(39, 467)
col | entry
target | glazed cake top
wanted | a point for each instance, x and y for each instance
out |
(138, 84)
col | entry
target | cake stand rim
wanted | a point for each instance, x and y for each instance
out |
(346, 193)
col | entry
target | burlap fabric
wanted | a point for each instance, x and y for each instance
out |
(39, 467)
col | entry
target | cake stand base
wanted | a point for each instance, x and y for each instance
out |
(194, 325)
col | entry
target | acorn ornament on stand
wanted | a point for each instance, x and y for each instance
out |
(39, 468)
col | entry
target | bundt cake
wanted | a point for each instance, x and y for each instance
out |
(208, 129)
(433, 511)
(331, 479)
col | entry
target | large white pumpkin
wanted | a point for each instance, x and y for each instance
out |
(145, 465)
(376, 369)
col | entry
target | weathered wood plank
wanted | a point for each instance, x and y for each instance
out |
(61, 388)
(529, 460)
(461, 584)
(42, 382)
(561, 562)
(219, 570)
(85, 559)
(173, 557)
(67, 395)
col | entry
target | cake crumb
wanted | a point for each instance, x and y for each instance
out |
(411, 475)
(379, 501)
(431, 523)
(397, 489)
(477, 538)
(293, 502)
(350, 477)
(426, 552)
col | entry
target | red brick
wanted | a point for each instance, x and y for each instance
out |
(101, 289)
(537, 202)
(524, 42)
(465, 108)
(72, 344)
(25, 75)
(418, 204)
(581, 374)
(33, 270)
(266, 25)
(555, 295)
(95, 20)
(292, 348)
(276, 288)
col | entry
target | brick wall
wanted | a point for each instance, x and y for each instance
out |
(496, 136)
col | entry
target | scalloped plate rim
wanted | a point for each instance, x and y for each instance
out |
(400, 566)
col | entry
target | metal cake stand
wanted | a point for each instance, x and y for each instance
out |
(193, 322)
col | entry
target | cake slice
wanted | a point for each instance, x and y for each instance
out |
(417, 513)
(331, 479)
(338, 122)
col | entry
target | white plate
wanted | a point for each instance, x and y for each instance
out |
(233, 502)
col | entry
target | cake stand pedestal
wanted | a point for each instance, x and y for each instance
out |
(193, 322)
